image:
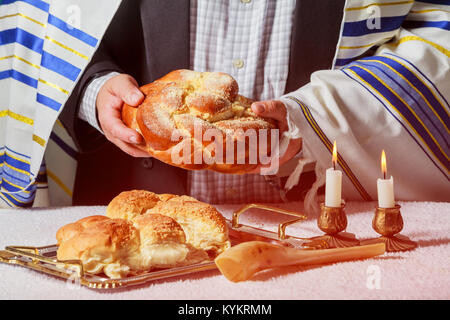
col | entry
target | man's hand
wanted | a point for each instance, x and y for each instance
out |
(117, 90)
(276, 110)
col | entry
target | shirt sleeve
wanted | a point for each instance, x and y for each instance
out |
(88, 110)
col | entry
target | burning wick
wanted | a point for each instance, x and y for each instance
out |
(334, 159)
(383, 164)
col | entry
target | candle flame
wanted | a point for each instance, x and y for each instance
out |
(383, 163)
(334, 159)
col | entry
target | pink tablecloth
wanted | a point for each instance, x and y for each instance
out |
(420, 274)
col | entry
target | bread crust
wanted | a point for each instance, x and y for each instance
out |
(183, 99)
(102, 246)
(130, 204)
(205, 228)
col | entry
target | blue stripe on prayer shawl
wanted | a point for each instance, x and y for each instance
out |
(22, 37)
(19, 203)
(15, 163)
(67, 149)
(49, 102)
(59, 66)
(74, 32)
(19, 76)
(445, 25)
(363, 27)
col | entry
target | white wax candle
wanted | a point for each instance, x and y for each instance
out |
(385, 189)
(333, 187)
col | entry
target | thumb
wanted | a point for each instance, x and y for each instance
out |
(273, 109)
(126, 88)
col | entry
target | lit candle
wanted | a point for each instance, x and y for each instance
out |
(385, 187)
(333, 184)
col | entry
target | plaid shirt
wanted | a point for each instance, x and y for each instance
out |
(250, 40)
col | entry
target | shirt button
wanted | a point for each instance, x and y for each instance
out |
(147, 163)
(238, 63)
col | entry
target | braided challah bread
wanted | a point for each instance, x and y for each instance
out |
(143, 231)
(197, 120)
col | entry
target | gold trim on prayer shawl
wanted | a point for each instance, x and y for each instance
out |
(380, 5)
(58, 181)
(416, 38)
(16, 116)
(358, 47)
(15, 185)
(429, 10)
(26, 17)
(39, 140)
(21, 59)
(53, 86)
(67, 48)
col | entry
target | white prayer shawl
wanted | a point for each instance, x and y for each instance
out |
(389, 89)
(44, 48)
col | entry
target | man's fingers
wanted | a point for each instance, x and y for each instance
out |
(130, 149)
(126, 88)
(270, 109)
(114, 128)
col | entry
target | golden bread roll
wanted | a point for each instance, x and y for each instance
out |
(204, 226)
(162, 242)
(72, 229)
(185, 102)
(119, 247)
(130, 204)
(101, 245)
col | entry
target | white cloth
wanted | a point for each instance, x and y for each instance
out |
(44, 47)
(419, 274)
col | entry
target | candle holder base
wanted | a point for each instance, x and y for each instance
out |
(329, 241)
(388, 222)
(332, 221)
(393, 243)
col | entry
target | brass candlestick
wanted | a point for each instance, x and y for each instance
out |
(332, 221)
(389, 222)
